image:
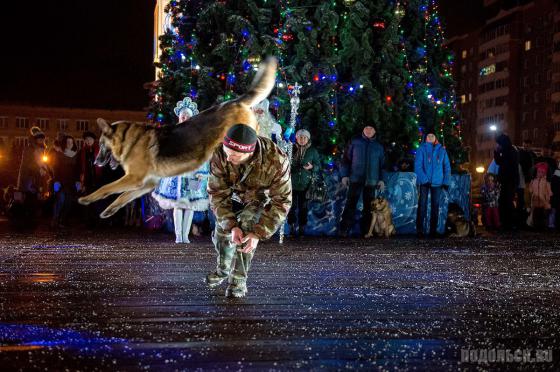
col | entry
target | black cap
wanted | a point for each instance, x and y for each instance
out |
(241, 138)
(89, 134)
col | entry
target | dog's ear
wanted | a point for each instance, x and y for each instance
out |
(105, 127)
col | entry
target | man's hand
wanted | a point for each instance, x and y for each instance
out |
(252, 240)
(308, 166)
(237, 235)
(345, 181)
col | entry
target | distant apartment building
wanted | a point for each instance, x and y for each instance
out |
(505, 74)
(466, 76)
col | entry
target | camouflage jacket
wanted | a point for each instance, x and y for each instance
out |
(264, 182)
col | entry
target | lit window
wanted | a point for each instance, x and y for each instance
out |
(43, 123)
(464, 54)
(22, 123)
(62, 124)
(470, 97)
(82, 125)
(527, 45)
(463, 98)
(21, 141)
(488, 70)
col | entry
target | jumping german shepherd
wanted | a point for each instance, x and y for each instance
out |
(148, 154)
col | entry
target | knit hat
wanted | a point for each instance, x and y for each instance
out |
(241, 138)
(427, 132)
(542, 166)
(89, 134)
(36, 132)
(303, 133)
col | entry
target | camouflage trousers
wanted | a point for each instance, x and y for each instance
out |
(230, 262)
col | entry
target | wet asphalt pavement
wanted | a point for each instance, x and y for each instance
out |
(118, 300)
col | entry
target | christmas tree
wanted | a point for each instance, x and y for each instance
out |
(430, 78)
(359, 63)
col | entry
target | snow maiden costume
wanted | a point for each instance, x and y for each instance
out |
(186, 193)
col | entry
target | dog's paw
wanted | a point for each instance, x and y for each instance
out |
(84, 200)
(368, 236)
(108, 212)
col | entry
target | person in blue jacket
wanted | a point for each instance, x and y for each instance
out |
(362, 171)
(433, 172)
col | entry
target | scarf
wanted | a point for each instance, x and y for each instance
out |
(70, 153)
(300, 152)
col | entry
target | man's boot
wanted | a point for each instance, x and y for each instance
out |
(214, 279)
(236, 288)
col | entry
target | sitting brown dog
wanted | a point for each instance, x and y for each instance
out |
(457, 225)
(381, 219)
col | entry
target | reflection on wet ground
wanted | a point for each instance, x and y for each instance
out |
(124, 301)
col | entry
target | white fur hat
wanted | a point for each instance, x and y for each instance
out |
(303, 133)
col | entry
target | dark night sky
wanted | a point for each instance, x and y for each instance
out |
(78, 53)
(459, 16)
(98, 54)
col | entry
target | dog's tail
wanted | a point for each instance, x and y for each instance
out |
(262, 83)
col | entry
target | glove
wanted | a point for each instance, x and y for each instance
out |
(381, 186)
(345, 181)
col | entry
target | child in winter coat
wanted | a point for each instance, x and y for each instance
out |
(541, 193)
(490, 191)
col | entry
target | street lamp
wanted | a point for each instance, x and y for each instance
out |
(493, 127)
(480, 169)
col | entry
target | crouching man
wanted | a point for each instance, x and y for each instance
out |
(250, 195)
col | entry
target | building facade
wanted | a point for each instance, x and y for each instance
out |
(17, 120)
(466, 77)
(505, 73)
(161, 21)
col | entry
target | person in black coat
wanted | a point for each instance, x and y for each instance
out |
(66, 175)
(526, 162)
(507, 158)
(555, 200)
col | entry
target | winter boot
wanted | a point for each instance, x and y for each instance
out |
(214, 279)
(237, 288)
